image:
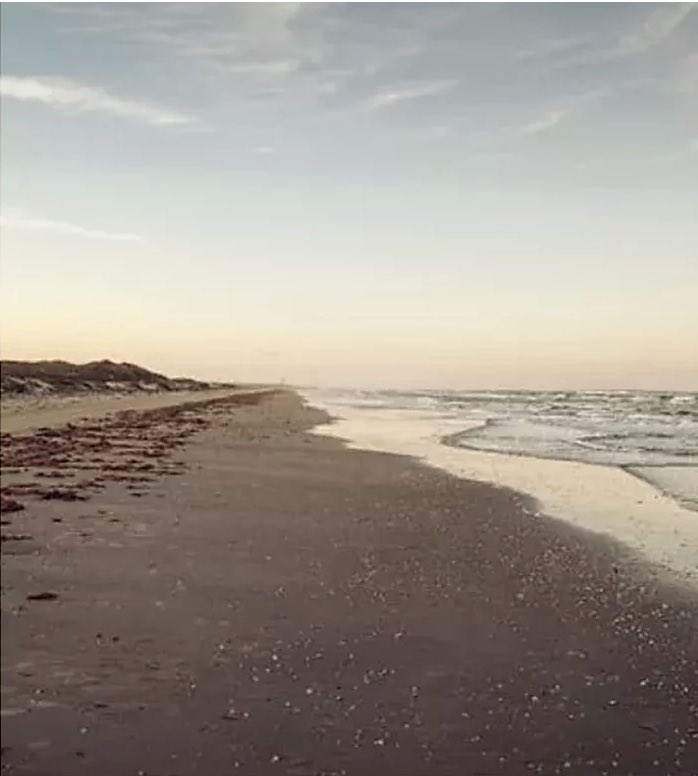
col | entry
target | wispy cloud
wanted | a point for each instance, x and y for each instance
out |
(253, 40)
(552, 47)
(547, 121)
(558, 114)
(343, 60)
(602, 49)
(19, 221)
(64, 94)
(276, 52)
(655, 28)
(264, 69)
(393, 96)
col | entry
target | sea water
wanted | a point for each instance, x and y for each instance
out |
(622, 463)
(643, 432)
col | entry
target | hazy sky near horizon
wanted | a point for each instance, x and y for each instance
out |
(354, 194)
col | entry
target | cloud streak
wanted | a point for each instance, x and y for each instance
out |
(65, 228)
(273, 51)
(64, 94)
(278, 68)
(656, 27)
(596, 50)
(547, 121)
(566, 110)
(400, 94)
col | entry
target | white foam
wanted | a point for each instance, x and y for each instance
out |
(602, 499)
(679, 481)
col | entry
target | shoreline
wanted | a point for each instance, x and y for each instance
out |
(284, 604)
(605, 500)
(453, 440)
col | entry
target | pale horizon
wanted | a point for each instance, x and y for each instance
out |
(354, 195)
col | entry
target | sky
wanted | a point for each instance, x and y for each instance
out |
(378, 195)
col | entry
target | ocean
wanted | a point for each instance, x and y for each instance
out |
(652, 435)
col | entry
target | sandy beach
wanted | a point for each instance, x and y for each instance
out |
(212, 588)
(26, 414)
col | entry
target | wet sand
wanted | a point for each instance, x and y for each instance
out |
(260, 600)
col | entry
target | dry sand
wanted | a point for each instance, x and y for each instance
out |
(272, 602)
(20, 414)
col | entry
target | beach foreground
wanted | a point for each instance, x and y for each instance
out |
(238, 595)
